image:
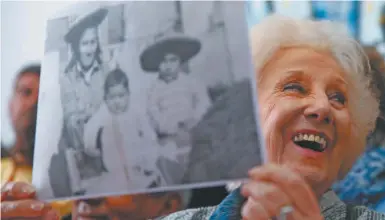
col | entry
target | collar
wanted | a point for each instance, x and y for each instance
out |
(86, 75)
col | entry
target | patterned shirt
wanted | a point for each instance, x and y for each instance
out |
(365, 183)
(332, 208)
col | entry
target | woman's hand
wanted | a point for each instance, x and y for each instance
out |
(18, 202)
(272, 187)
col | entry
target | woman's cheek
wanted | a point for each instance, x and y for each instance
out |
(278, 116)
(272, 131)
(347, 139)
(344, 127)
(347, 122)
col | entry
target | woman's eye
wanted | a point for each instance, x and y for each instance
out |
(294, 87)
(339, 97)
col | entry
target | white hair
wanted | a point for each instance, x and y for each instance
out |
(276, 32)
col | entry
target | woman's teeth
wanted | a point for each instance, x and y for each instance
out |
(311, 137)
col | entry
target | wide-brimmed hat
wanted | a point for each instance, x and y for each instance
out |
(89, 20)
(180, 45)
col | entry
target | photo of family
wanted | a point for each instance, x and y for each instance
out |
(152, 97)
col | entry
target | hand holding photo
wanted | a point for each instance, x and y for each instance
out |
(147, 108)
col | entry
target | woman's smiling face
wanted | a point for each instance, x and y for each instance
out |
(304, 113)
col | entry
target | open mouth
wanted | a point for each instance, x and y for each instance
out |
(315, 142)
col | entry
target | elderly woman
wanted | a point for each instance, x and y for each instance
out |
(315, 113)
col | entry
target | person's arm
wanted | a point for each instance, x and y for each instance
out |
(155, 116)
(151, 109)
(166, 122)
(67, 95)
(95, 101)
(161, 157)
(72, 115)
(149, 138)
(90, 133)
(201, 99)
(147, 130)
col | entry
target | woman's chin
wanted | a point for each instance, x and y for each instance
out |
(312, 173)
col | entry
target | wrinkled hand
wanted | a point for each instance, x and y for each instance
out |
(272, 187)
(18, 202)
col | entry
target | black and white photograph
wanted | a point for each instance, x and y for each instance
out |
(145, 97)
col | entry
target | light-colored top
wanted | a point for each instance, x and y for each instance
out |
(82, 91)
(184, 99)
(128, 148)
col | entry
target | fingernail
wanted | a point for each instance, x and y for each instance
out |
(244, 191)
(83, 208)
(37, 206)
(28, 189)
(8, 187)
(6, 207)
(243, 211)
(287, 209)
(51, 215)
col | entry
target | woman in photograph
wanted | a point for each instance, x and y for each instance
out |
(83, 78)
(316, 109)
(81, 95)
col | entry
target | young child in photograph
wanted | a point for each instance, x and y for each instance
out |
(123, 139)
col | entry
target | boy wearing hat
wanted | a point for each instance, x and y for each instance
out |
(176, 102)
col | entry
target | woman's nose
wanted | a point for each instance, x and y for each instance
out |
(319, 110)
